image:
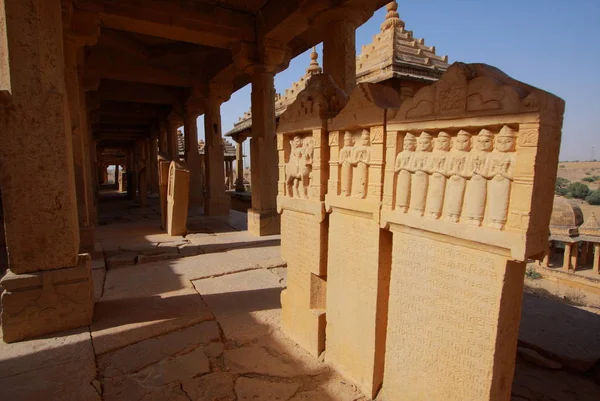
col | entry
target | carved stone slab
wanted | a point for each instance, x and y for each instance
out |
(178, 194)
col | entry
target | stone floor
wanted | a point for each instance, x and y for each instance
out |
(197, 318)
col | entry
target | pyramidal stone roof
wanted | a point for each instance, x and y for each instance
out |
(395, 53)
(228, 147)
(590, 227)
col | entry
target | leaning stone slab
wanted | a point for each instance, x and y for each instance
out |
(177, 199)
(46, 302)
(469, 181)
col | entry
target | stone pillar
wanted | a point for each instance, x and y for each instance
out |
(117, 174)
(217, 202)
(192, 156)
(154, 165)
(339, 52)
(263, 218)
(545, 262)
(596, 264)
(584, 253)
(141, 170)
(79, 128)
(163, 137)
(178, 195)
(239, 166)
(575, 256)
(48, 287)
(567, 256)
(174, 122)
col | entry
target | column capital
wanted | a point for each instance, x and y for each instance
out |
(174, 118)
(193, 107)
(80, 28)
(268, 56)
(353, 16)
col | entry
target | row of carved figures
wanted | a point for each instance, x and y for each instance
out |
(436, 177)
(299, 167)
(355, 162)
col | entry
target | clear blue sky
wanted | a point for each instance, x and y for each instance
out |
(551, 44)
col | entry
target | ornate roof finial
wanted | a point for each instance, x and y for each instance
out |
(314, 67)
(392, 19)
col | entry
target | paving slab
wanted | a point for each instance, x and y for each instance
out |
(145, 353)
(58, 367)
(144, 301)
(575, 342)
(128, 388)
(175, 368)
(257, 360)
(98, 280)
(120, 259)
(250, 389)
(246, 304)
(216, 386)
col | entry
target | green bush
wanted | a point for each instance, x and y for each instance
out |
(560, 188)
(588, 179)
(578, 190)
(594, 198)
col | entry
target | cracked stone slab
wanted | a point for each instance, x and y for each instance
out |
(175, 368)
(575, 342)
(98, 264)
(145, 353)
(98, 281)
(216, 386)
(49, 368)
(281, 272)
(248, 389)
(246, 304)
(121, 259)
(127, 388)
(257, 360)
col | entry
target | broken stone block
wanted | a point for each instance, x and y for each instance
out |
(48, 301)
(121, 259)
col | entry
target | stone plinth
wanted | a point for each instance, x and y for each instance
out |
(358, 261)
(303, 148)
(122, 181)
(163, 183)
(178, 199)
(46, 302)
(464, 159)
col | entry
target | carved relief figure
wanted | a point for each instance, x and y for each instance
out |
(458, 174)
(420, 179)
(346, 163)
(479, 161)
(439, 174)
(292, 168)
(361, 158)
(502, 167)
(403, 168)
(305, 166)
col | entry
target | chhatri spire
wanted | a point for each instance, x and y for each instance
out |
(392, 19)
(314, 67)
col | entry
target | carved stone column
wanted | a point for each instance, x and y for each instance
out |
(174, 122)
(339, 45)
(153, 165)
(239, 166)
(263, 218)
(192, 157)
(38, 181)
(567, 256)
(217, 202)
(596, 264)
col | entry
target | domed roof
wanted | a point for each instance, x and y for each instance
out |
(566, 218)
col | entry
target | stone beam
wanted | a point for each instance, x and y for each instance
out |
(204, 24)
(130, 109)
(138, 92)
(114, 64)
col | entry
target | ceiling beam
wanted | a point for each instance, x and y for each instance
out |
(130, 109)
(199, 23)
(139, 92)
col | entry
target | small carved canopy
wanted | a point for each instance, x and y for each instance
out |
(367, 106)
(472, 90)
(565, 219)
(591, 229)
(321, 100)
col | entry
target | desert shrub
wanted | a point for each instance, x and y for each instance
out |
(588, 179)
(594, 198)
(578, 190)
(560, 188)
